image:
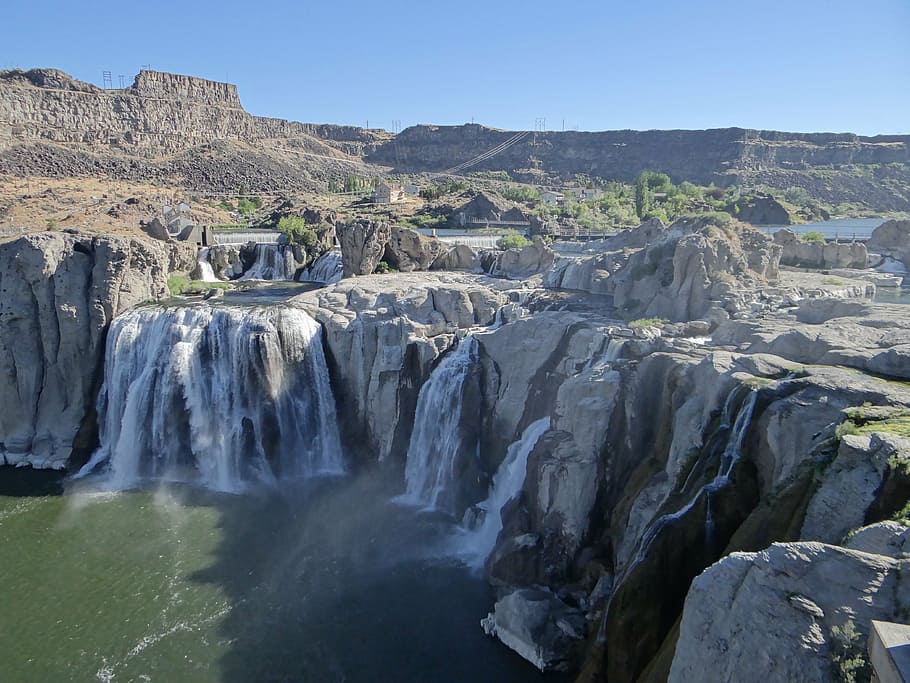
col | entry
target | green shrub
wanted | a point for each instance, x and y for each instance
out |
(814, 237)
(298, 232)
(383, 267)
(515, 241)
(523, 193)
(181, 285)
(648, 322)
(848, 652)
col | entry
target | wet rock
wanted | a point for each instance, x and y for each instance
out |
(538, 626)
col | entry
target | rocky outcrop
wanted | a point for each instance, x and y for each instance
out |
(59, 294)
(871, 338)
(892, 240)
(697, 269)
(408, 250)
(762, 210)
(786, 613)
(796, 252)
(382, 334)
(487, 207)
(362, 245)
(520, 264)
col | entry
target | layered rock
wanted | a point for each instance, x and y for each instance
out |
(891, 240)
(362, 245)
(797, 252)
(786, 613)
(60, 292)
(383, 334)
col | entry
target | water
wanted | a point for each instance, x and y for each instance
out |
(273, 262)
(326, 270)
(477, 544)
(216, 395)
(892, 295)
(436, 443)
(205, 268)
(737, 427)
(322, 582)
(840, 228)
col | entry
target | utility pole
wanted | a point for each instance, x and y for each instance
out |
(107, 84)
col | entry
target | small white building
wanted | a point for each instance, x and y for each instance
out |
(388, 193)
(589, 193)
(552, 198)
(412, 190)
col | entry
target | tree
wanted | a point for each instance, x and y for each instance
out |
(515, 241)
(643, 195)
(298, 232)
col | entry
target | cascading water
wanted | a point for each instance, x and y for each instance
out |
(207, 274)
(325, 270)
(729, 458)
(273, 262)
(437, 439)
(486, 523)
(217, 396)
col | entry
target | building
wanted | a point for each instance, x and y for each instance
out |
(552, 198)
(412, 190)
(388, 193)
(589, 193)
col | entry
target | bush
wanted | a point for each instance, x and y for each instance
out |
(383, 267)
(247, 205)
(797, 196)
(181, 284)
(298, 232)
(813, 237)
(521, 193)
(513, 242)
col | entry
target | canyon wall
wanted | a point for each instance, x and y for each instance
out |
(701, 156)
(160, 113)
(59, 294)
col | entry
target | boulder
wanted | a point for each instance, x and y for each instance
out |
(363, 243)
(892, 240)
(408, 250)
(519, 264)
(458, 257)
(784, 613)
(538, 626)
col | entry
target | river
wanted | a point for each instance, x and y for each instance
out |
(326, 581)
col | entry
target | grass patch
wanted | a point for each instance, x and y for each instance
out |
(181, 285)
(648, 322)
(833, 281)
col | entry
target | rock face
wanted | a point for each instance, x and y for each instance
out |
(772, 615)
(59, 293)
(408, 250)
(362, 245)
(694, 269)
(762, 210)
(892, 239)
(538, 626)
(520, 264)
(827, 255)
(382, 334)
(487, 207)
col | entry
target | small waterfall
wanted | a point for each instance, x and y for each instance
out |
(614, 349)
(437, 442)
(326, 270)
(207, 274)
(729, 457)
(486, 523)
(216, 396)
(273, 262)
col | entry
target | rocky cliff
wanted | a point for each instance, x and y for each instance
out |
(722, 156)
(162, 126)
(59, 294)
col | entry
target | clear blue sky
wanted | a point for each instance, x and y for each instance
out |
(796, 65)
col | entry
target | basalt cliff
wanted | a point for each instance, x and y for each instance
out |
(190, 131)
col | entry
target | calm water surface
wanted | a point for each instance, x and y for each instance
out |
(324, 582)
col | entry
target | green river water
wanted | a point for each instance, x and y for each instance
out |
(322, 582)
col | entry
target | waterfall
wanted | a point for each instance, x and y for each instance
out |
(326, 270)
(273, 262)
(478, 542)
(437, 442)
(217, 396)
(205, 268)
(729, 457)
(614, 349)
